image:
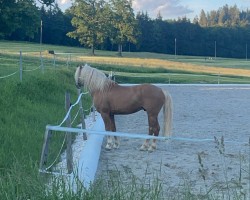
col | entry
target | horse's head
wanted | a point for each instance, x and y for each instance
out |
(78, 78)
(91, 79)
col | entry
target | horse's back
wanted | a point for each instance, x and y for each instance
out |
(143, 91)
(151, 91)
(153, 97)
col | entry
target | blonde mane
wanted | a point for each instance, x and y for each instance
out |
(93, 79)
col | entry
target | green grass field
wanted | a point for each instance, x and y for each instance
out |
(27, 107)
(131, 68)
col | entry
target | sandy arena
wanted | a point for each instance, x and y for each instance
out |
(200, 112)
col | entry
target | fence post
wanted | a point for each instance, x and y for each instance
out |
(54, 62)
(69, 153)
(45, 149)
(41, 59)
(68, 61)
(21, 66)
(218, 78)
(82, 115)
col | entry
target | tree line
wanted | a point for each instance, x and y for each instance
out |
(226, 16)
(113, 25)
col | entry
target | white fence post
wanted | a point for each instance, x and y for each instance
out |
(21, 66)
(218, 78)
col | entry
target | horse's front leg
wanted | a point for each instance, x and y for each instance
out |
(108, 124)
(116, 145)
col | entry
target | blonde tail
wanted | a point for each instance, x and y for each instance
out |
(167, 114)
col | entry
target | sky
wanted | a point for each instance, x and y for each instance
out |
(172, 9)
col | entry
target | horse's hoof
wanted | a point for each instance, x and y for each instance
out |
(116, 146)
(108, 147)
(143, 148)
(151, 149)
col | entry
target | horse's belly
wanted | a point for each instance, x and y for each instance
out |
(125, 108)
(125, 112)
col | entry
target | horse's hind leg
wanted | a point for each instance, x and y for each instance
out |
(154, 129)
(109, 144)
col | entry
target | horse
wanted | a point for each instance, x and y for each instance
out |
(110, 99)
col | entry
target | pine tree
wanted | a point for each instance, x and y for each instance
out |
(203, 19)
(213, 18)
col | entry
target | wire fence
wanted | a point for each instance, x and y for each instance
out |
(68, 122)
(12, 64)
(18, 63)
(79, 112)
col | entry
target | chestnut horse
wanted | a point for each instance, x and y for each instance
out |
(111, 99)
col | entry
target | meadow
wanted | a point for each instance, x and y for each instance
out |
(27, 106)
(132, 67)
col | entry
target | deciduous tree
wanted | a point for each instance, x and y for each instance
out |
(18, 19)
(7, 17)
(91, 19)
(124, 23)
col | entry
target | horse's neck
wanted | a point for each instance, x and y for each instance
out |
(92, 93)
(96, 92)
(102, 91)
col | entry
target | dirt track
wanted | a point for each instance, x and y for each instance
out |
(200, 112)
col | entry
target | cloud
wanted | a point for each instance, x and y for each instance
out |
(63, 1)
(64, 4)
(167, 8)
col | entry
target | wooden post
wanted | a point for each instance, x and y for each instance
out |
(45, 149)
(82, 115)
(21, 66)
(69, 153)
